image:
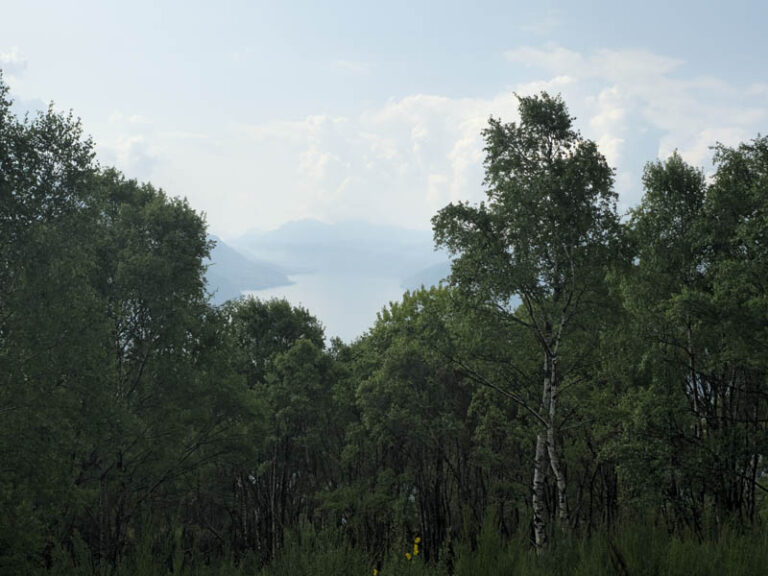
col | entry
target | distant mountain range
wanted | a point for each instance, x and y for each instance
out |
(230, 273)
(259, 260)
(357, 248)
(427, 277)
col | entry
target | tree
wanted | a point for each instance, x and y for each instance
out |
(111, 392)
(737, 207)
(696, 296)
(280, 350)
(543, 239)
(47, 310)
(413, 406)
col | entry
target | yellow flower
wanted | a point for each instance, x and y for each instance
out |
(415, 549)
(375, 572)
(418, 540)
(408, 555)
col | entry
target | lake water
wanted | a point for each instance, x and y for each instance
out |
(345, 304)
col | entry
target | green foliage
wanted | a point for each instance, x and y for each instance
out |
(106, 393)
(695, 428)
(550, 212)
(145, 431)
(535, 258)
(308, 553)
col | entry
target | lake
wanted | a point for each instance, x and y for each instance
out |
(346, 304)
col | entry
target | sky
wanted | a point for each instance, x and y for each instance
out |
(265, 112)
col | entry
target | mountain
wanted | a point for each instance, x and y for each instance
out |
(230, 273)
(345, 248)
(427, 277)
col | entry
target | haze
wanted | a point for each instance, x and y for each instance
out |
(264, 113)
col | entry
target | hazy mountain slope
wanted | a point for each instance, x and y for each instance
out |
(230, 273)
(343, 248)
(427, 277)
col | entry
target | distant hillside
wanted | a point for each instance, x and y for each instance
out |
(433, 275)
(427, 277)
(230, 273)
(358, 248)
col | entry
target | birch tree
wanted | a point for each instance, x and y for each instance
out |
(535, 252)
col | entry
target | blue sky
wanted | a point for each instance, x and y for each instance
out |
(263, 112)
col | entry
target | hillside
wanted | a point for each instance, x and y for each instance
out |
(230, 273)
(353, 247)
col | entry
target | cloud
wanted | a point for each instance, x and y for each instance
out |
(134, 155)
(12, 63)
(685, 109)
(553, 58)
(132, 144)
(402, 160)
(397, 163)
(639, 101)
(758, 89)
(118, 117)
(637, 65)
(610, 124)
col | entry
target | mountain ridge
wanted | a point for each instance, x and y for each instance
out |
(302, 246)
(230, 273)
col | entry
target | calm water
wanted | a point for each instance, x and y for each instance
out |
(345, 304)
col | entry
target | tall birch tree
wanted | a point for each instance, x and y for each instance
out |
(535, 252)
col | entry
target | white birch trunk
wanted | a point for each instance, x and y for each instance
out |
(539, 511)
(539, 469)
(554, 458)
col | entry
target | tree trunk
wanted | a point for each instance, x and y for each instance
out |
(539, 467)
(546, 445)
(539, 520)
(273, 502)
(554, 458)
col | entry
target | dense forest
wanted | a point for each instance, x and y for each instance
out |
(586, 394)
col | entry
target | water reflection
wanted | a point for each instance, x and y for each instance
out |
(345, 304)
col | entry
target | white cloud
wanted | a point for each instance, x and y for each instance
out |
(610, 123)
(134, 155)
(635, 65)
(632, 95)
(12, 64)
(398, 163)
(130, 143)
(401, 161)
(118, 117)
(758, 89)
(553, 58)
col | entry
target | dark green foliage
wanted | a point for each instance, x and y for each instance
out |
(535, 257)
(107, 351)
(145, 431)
(695, 432)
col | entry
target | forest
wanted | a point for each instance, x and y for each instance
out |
(587, 393)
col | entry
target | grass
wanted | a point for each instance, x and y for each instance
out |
(635, 550)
